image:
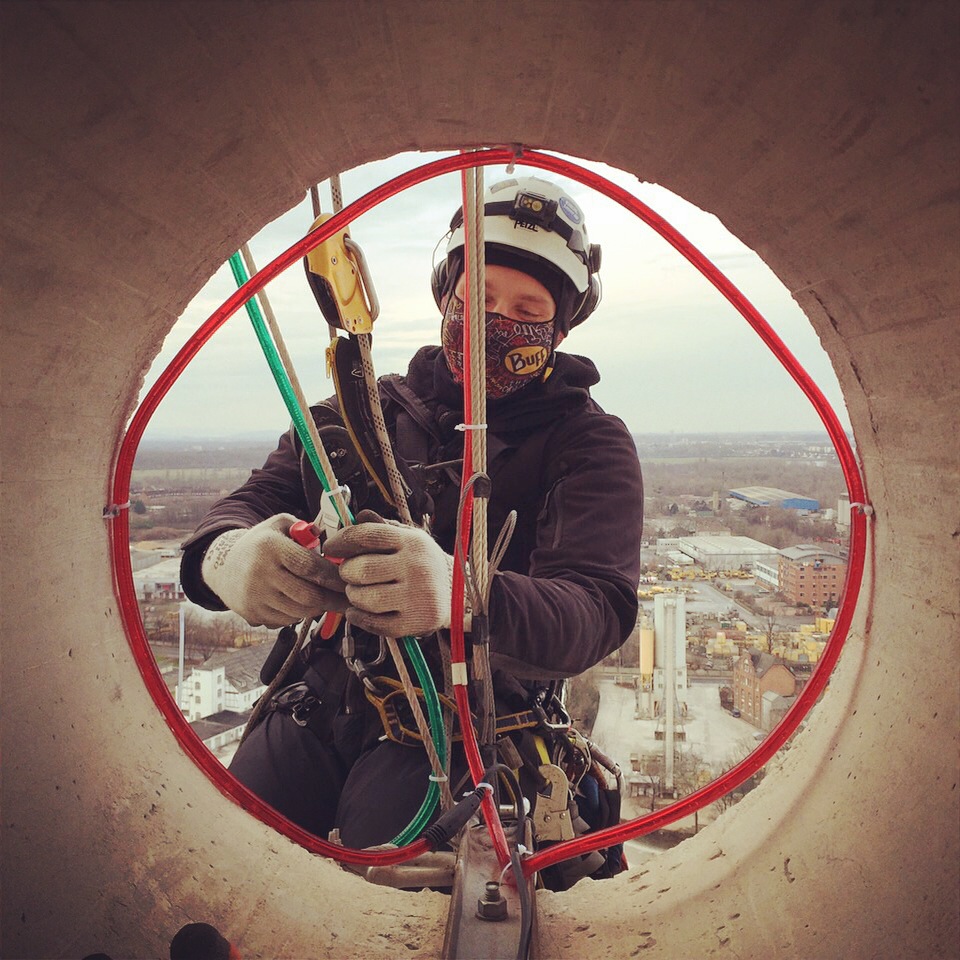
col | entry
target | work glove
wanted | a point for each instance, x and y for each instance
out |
(269, 579)
(399, 581)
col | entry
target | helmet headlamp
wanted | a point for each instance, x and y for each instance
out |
(529, 210)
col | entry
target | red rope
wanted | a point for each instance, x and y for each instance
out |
(130, 610)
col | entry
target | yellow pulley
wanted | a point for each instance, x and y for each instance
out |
(338, 275)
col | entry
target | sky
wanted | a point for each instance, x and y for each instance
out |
(673, 354)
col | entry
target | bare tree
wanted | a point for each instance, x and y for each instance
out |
(204, 635)
(740, 750)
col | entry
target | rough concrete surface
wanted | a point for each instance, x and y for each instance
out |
(143, 142)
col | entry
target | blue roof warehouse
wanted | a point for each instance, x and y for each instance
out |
(774, 497)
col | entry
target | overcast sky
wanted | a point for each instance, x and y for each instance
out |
(673, 355)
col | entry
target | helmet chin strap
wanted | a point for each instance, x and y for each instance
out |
(558, 338)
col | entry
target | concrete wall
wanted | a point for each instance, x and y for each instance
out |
(142, 142)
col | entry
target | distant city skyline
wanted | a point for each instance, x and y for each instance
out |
(673, 355)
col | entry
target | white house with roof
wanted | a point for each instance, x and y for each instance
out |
(227, 680)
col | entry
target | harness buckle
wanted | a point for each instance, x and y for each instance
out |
(303, 708)
(298, 700)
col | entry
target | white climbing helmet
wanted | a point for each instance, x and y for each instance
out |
(533, 218)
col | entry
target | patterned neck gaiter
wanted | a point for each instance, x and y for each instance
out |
(516, 351)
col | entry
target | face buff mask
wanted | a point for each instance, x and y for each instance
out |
(516, 351)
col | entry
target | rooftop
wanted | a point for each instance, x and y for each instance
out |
(762, 662)
(241, 665)
(219, 723)
(810, 551)
(720, 543)
(774, 496)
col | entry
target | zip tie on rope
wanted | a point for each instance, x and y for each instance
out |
(462, 427)
(112, 510)
(865, 508)
(521, 851)
(441, 779)
(340, 490)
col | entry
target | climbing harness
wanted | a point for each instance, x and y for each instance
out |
(392, 703)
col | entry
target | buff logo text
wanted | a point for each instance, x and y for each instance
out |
(525, 360)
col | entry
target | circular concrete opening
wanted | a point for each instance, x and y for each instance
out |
(824, 137)
(651, 294)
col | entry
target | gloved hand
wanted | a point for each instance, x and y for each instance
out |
(269, 579)
(399, 580)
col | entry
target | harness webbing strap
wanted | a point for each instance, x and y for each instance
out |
(394, 710)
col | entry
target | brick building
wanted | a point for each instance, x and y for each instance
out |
(812, 575)
(756, 674)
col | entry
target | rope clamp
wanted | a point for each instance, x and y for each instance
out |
(340, 279)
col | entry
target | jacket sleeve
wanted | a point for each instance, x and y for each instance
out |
(276, 487)
(578, 601)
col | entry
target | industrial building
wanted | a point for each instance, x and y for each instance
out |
(725, 552)
(774, 497)
(767, 572)
(159, 581)
(756, 674)
(811, 574)
(661, 686)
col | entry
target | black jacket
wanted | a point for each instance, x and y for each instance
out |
(566, 592)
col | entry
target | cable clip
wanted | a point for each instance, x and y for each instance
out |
(113, 510)
(470, 426)
(517, 154)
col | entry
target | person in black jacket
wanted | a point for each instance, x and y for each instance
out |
(564, 595)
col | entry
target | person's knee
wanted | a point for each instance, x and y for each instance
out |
(382, 794)
(289, 767)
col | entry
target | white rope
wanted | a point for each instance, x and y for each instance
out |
(336, 491)
(439, 774)
(397, 485)
(475, 256)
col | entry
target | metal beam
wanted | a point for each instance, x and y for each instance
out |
(485, 918)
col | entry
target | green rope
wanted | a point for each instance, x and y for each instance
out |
(434, 715)
(279, 374)
(435, 720)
